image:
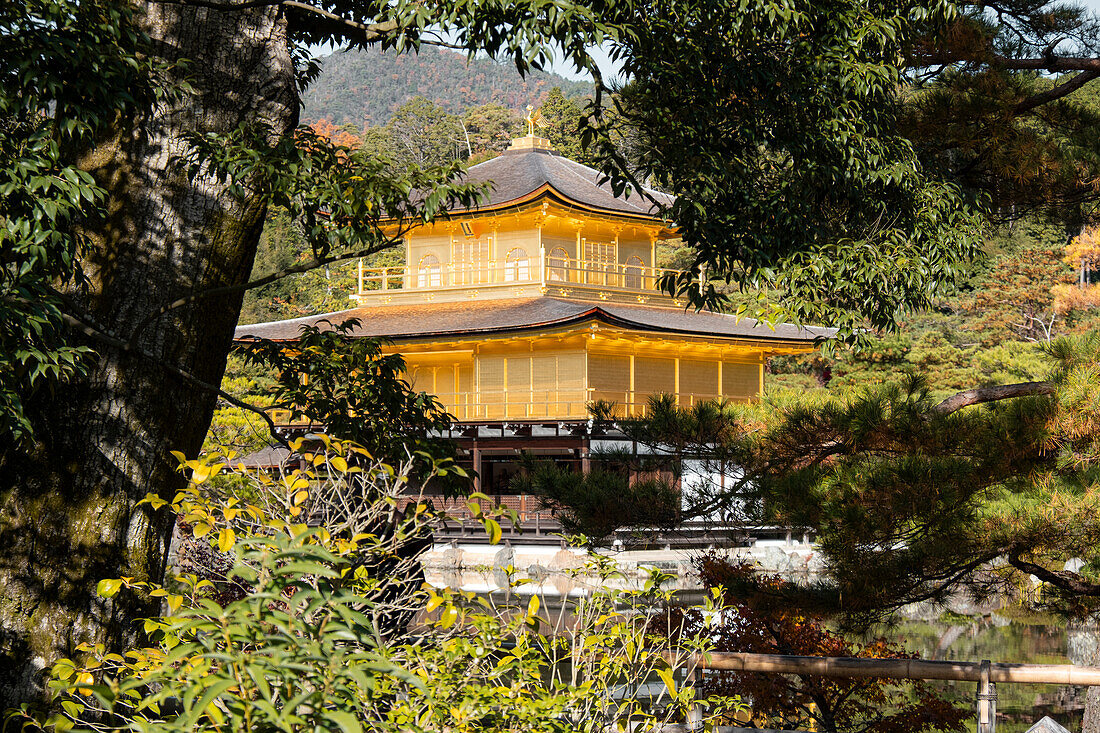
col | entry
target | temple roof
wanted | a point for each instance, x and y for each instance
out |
(519, 175)
(433, 320)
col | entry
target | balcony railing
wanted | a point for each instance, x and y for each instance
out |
(535, 405)
(549, 272)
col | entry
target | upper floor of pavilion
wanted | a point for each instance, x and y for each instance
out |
(548, 226)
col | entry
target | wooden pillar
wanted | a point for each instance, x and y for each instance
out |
(987, 700)
(477, 465)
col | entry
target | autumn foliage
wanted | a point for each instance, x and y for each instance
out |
(342, 135)
(759, 620)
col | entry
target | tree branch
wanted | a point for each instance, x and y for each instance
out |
(1063, 579)
(335, 24)
(1057, 92)
(96, 334)
(1042, 63)
(992, 394)
(260, 282)
(340, 26)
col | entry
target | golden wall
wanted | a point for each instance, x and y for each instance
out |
(532, 381)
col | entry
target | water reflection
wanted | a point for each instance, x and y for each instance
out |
(1031, 641)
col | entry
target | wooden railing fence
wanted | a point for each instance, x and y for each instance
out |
(985, 673)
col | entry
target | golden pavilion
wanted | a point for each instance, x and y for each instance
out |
(520, 313)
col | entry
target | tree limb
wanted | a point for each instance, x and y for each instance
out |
(1041, 63)
(992, 394)
(258, 283)
(334, 24)
(340, 26)
(1057, 92)
(1062, 579)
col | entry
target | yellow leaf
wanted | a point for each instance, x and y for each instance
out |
(493, 528)
(533, 605)
(201, 529)
(667, 678)
(226, 538)
(108, 587)
(448, 617)
(64, 669)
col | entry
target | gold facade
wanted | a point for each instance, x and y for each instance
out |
(538, 249)
(556, 378)
(543, 244)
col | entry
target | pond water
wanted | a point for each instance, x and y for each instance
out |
(999, 639)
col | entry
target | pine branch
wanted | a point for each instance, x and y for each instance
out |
(992, 394)
(1061, 579)
(1057, 92)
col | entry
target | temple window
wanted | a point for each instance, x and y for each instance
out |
(599, 263)
(430, 273)
(634, 272)
(599, 253)
(471, 259)
(557, 263)
(517, 267)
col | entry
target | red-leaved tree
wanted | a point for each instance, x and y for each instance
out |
(760, 621)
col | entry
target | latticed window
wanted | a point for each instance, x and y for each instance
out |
(599, 253)
(471, 260)
(600, 259)
(740, 381)
(610, 378)
(517, 267)
(698, 381)
(556, 263)
(429, 274)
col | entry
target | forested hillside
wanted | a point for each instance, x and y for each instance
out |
(365, 88)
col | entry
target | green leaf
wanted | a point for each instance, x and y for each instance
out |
(108, 588)
(347, 722)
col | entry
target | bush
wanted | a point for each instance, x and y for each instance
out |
(300, 634)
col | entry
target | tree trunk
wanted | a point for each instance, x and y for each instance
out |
(68, 514)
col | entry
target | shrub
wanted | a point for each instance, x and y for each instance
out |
(299, 635)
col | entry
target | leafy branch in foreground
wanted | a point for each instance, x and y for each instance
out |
(302, 645)
(792, 177)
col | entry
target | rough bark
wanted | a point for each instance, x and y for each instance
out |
(68, 514)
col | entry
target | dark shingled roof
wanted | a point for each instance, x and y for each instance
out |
(516, 174)
(523, 314)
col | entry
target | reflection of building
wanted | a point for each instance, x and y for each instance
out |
(520, 313)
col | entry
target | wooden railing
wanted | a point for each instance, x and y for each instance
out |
(541, 270)
(531, 405)
(985, 673)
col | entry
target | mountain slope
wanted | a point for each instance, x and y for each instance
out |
(363, 88)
